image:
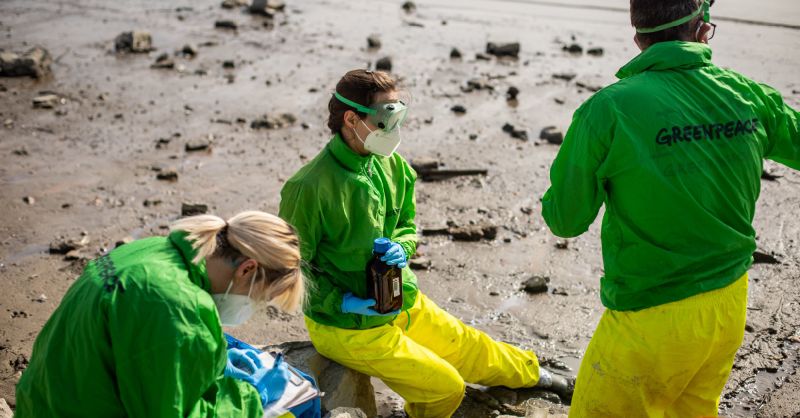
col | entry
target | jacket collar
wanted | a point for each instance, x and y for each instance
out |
(197, 272)
(666, 56)
(346, 156)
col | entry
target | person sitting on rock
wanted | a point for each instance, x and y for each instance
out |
(139, 333)
(357, 190)
(675, 151)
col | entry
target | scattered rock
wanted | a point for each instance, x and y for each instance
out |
(536, 284)
(232, 4)
(552, 135)
(343, 387)
(473, 232)
(273, 122)
(135, 41)
(374, 41)
(562, 244)
(29, 200)
(512, 93)
(409, 6)
(151, 202)
(763, 258)
(768, 176)
(346, 413)
(560, 291)
(192, 209)
(22, 152)
(596, 51)
(455, 54)
(514, 132)
(47, 101)
(200, 144)
(164, 61)
(503, 50)
(63, 245)
(564, 76)
(459, 109)
(477, 84)
(480, 56)
(121, 242)
(384, 64)
(41, 298)
(226, 24)
(420, 263)
(19, 363)
(167, 175)
(35, 63)
(573, 49)
(188, 50)
(588, 86)
(228, 64)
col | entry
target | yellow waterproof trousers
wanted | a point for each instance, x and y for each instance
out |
(428, 363)
(671, 360)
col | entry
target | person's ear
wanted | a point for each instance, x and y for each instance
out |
(350, 119)
(702, 33)
(246, 270)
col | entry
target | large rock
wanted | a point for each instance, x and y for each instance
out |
(134, 41)
(33, 63)
(343, 387)
(5, 410)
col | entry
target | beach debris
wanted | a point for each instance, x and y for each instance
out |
(384, 64)
(565, 76)
(455, 53)
(29, 200)
(63, 245)
(200, 144)
(503, 50)
(273, 122)
(596, 51)
(133, 41)
(552, 135)
(188, 50)
(47, 101)
(268, 8)
(588, 86)
(374, 41)
(480, 56)
(229, 64)
(164, 61)
(512, 131)
(409, 6)
(536, 284)
(226, 24)
(459, 109)
(192, 209)
(127, 240)
(475, 232)
(42, 298)
(562, 244)
(420, 263)
(477, 84)
(35, 63)
(167, 175)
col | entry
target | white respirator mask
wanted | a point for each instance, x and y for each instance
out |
(234, 309)
(388, 117)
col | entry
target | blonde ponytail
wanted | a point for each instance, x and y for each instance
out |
(261, 236)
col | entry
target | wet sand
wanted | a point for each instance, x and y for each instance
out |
(91, 169)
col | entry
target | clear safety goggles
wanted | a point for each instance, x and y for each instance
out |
(386, 116)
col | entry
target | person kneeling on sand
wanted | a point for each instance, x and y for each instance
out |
(357, 190)
(674, 150)
(139, 334)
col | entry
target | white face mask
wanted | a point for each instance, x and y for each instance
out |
(234, 309)
(380, 142)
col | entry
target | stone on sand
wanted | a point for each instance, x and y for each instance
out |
(35, 63)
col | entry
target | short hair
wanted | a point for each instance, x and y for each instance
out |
(359, 86)
(652, 13)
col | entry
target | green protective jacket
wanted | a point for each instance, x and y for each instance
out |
(137, 335)
(675, 151)
(339, 203)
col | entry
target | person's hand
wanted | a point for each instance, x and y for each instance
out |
(356, 305)
(271, 383)
(242, 363)
(395, 256)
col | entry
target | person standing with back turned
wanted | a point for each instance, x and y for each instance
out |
(675, 151)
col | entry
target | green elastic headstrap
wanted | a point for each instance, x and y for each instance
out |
(353, 104)
(702, 9)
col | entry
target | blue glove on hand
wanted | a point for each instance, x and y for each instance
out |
(242, 363)
(271, 383)
(395, 256)
(356, 305)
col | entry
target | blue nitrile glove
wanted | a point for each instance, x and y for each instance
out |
(395, 256)
(356, 305)
(242, 363)
(271, 383)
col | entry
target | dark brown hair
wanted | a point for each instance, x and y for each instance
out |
(652, 13)
(359, 86)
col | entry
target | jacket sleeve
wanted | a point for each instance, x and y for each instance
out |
(576, 193)
(300, 207)
(405, 233)
(782, 124)
(169, 356)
